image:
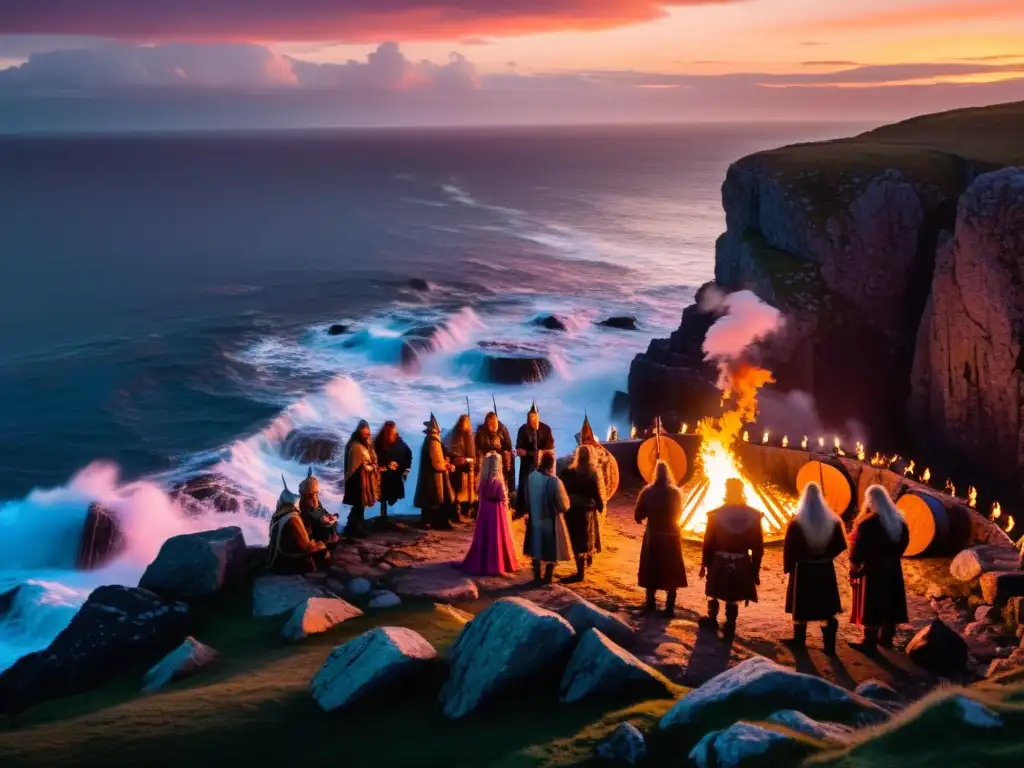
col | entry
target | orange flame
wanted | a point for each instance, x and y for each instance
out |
(972, 496)
(909, 469)
(785, 441)
(997, 511)
(1009, 524)
(950, 488)
(764, 437)
(803, 443)
(860, 452)
(684, 429)
(632, 433)
(926, 476)
(821, 442)
(877, 460)
(746, 437)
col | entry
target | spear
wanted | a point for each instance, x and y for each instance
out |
(494, 405)
(657, 437)
(468, 412)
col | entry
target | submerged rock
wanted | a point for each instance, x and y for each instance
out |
(373, 662)
(504, 363)
(418, 284)
(599, 666)
(551, 323)
(198, 565)
(971, 563)
(312, 446)
(625, 745)
(757, 687)
(115, 628)
(316, 615)
(622, 323)
(273, 595)
(339, 329)
(183, 661)
(435, 582)
(938, 649)
(211, 491)
(102, 539)
(508, 644)
(584, 615)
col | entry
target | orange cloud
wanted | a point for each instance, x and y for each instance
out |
(919, 15)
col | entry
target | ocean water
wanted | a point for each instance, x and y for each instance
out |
(166, 300)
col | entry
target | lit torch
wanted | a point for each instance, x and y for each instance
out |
(746, 437)
(997, 511)
(926, 476)
(861, 453)
(1009, 524)
(909, 469)
(803, 443)
(950, 488)
(764, 437)
(972, 497)
(877, 460)
(785, 441)
(632, 433)
(821, 442)
(684, 429)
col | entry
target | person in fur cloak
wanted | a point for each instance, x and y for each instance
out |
(533, 438)
(434, 495)
(547, 537)
(660, 504)
(879, 538)
(395, 458)
(291, 551)
(733, 549)
(492, 435)
(320, 523)
(815, 537)
(362, 479)
(462, 454)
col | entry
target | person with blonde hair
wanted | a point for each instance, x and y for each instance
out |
(814, 539)
(492, 552)
(586, 503)
(661, 555)
(879, 538)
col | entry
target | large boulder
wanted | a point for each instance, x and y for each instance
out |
(510, 643)
(383, 599)
(999, 587)
(550, 323)
(339, 329)
(507, 363)
(622, 323)
(758, 687)
(274, 595)
(584, 615)
(375, 661)
(312, 446)
(624, 746)
(211, 491)
(316, 615)
(798, 722)
(102, 538)
(971, 563)
(442, 583)
(198, 565)
(748, 744)
(879, 692)
(598, 666)
(967, 374)
(187, 659)
(938, 649)
(116, 628)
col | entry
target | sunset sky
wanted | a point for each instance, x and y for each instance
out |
(431, 61)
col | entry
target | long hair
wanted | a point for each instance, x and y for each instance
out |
(461, 436)
(386, 437)
(663, 476)
(493, 470)
(816, 520)
(878, 502)
(583, 461)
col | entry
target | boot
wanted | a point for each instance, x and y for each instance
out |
(711, 620)
(383, 509)
(799, 638)
(829, 630)
(670, 604)
(651, 605)
(549, 573)
(576, 578)
(732, 612)
(536, 571)
(886, 635)
(869, 644)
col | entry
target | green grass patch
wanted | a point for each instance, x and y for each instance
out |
(795, 282)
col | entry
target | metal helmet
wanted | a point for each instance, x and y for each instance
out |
(287, 498)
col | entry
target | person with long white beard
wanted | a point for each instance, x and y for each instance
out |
(879, 538)
(814, 539)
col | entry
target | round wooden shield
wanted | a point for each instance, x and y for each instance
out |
(927, 522)
(607, 468)
(671, 453)
(835, 485)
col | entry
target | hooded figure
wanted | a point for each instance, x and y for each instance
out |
(492, 435)
(879, 538)
(586, 434)
(533, 438)
(586, 504)
(395, 459)
(320, 523)
(362, 478)
(814, 538)
(434, 496)
(462, 454)
(547, 538)
(291, 551)
(733, 548)
(661, 555)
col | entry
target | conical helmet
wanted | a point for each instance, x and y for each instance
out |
(586, 431)
(287, 498)
(310, 485)
(533, 408)
(432, 425)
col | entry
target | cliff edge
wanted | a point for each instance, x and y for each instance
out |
(843, 236)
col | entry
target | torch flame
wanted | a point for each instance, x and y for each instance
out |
(1009, 524)
(764, 437)
(746, 437)
(835, 442)
(877, 460)
(950, 488)
(997, 511)
(861, 453)
(785, 441)
(821, 442)
(926, 476)
(909, 469)
(972, 496)
(632, 433)
(684, 429)
(609, 438)
(803, 443)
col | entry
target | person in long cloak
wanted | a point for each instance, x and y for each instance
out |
(462, 455)
(733, 549)
(492, 435)
(547, 538)
(291, 551)
(661, 554)
(814, 539)
(533, 438)
(586, 504)
(362, 478)
(434, 495)
(395, 459)
(320, 523)
(879, 538)
(492, 552)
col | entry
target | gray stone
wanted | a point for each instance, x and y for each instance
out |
(584, 615)
(760, 684)
(1012, 663)
(183, 661)
(507, 644)
(435, 582)
(986, 614)
(198, 565)
(938, 648)
(358, 587)
(272, 595)
(370, 663)
(384, 599)
(316, 615)
(739, 744)
(801, 723)
(625, 745)
(971, 563)
(876, 690)
(599, 666)
(998, 587)
(975, 714)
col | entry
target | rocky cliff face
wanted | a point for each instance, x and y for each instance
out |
(967, 384)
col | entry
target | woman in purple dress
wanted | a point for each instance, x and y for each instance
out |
(492, 552)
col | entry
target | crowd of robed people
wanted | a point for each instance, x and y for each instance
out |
(470, 478)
